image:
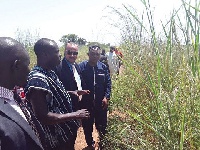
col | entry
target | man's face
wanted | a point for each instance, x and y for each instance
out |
(111, 50)
(54, 57)
(94, 55)
(71, 54)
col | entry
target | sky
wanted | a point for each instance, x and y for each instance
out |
(88, 19)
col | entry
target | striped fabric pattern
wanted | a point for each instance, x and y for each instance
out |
(58, 101)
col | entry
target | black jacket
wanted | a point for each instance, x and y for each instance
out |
(66, 76)
(15, 132)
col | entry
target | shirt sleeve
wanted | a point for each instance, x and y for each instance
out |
(37, 81)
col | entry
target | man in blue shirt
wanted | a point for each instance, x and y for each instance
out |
(97, 79)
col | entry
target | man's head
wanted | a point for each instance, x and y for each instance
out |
(116, 49)
(94, 54)
(112, 49)
(71, 52)
(47, 53)
(14, 62)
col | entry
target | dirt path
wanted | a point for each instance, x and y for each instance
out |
(80, 140)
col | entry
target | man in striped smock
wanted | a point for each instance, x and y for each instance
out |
(49, 100)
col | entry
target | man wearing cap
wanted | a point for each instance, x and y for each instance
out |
(97, 78)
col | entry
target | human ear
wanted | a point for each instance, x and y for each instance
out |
(16, 65)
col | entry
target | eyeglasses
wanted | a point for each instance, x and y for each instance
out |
(94, 47)
(72, 53)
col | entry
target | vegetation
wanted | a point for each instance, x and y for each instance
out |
(156, 102)
(73, 38)
(27, 37)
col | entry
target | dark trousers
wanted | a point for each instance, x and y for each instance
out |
(69, 145)
(99, 117)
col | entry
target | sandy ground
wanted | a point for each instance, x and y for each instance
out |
(80, 140)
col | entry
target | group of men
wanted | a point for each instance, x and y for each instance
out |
(59, 96)
(113, 59)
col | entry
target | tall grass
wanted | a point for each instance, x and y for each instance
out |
(156, 102)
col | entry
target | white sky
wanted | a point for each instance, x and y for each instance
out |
(54, 18)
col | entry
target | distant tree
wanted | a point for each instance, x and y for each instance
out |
(94, 43)
(69, 37)
(27, 37)
(81, 41)
(73, 38)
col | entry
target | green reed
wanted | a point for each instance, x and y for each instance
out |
(156, 102)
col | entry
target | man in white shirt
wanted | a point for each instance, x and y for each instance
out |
(69, 74)
(113, 61)
(15, 131)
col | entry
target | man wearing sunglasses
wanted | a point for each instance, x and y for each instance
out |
(69, 74)
(97, 78)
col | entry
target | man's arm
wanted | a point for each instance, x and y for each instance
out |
(107, 88)
(39, 105)
(79, 92)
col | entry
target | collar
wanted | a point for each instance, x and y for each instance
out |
(69, 64)
(98, 65)
(6, 93)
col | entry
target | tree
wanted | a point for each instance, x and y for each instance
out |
(81, 41)
(73, 38)
(27, 37)
(69, 37)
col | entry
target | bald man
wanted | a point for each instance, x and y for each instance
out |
(69, 73)
(15, 132)
(50, 101)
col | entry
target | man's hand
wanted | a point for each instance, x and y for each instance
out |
(82, 92)
(79, 92)
(105, 103)
(82, 114)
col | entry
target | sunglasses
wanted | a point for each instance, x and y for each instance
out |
(94, 47)
(72, 53)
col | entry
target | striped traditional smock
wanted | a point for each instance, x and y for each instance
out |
(58, 101)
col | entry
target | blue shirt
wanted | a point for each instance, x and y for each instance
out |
(97, 80)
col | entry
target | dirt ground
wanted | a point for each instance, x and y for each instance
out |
(80, 140)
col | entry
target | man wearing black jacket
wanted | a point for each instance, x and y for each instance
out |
(15, 132)
(69, 74)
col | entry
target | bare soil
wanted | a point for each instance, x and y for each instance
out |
(80, 140)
